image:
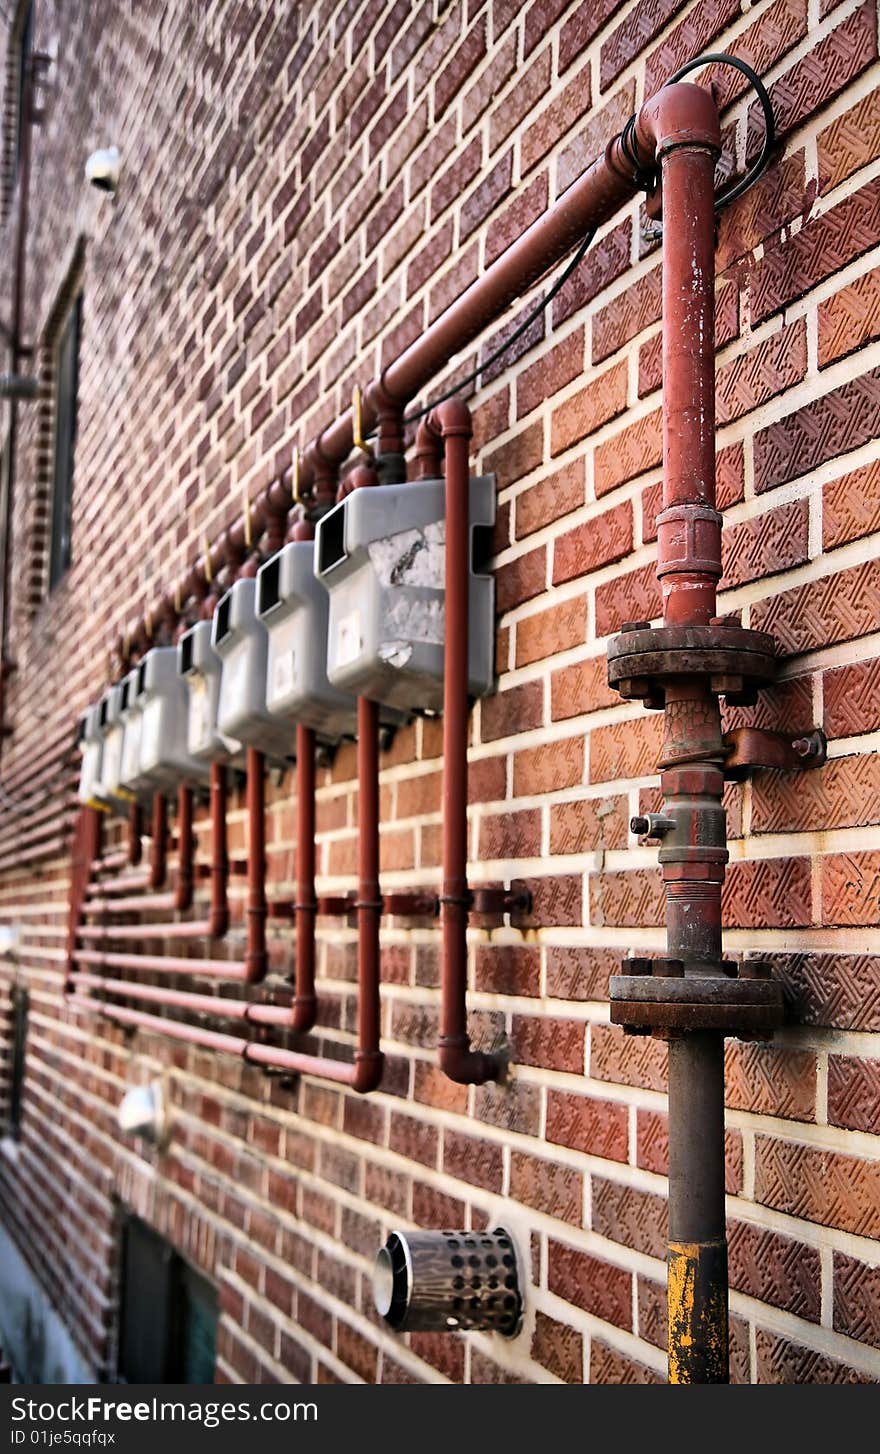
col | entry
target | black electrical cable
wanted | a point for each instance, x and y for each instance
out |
(719, 58)
(647, 179)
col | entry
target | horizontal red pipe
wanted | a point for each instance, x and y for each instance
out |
(163, 964)
(146, 903)
(121, 884)
(192, 1034)
(189, 929)
(173, 999)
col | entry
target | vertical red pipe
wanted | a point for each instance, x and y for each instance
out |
(305, 1004)
(219, 915)
(159, 845)
(368, 1057)
(457, 1060)
(135, 830)
(185, 848)
(255, 951)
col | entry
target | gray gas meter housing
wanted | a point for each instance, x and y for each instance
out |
(162, 698)
(241, 640)
(295, 610)
(110, 789)
(91, 746)
(200, 668)
(381, 553)
(130, 775)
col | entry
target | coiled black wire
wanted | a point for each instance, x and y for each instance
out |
(647, 179)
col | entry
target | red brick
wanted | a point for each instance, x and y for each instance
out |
(629, 313)
(582, 27)
(577, 973)
(832, 989)
(779, 197)
(525, 206)
(629, 900)
(549, 1043)
(559, 628)
(471, 1160)
(581, 152)
(854, 1093)
(822, 247)
(767, 893)
(630, 1216)
(533, 82)
(555, 1190)
(487, 196)
(856, 1299)
(834, 608)
(851, 506)
(782, 1360)
(585, 412)
(608, 258)
(634, 596)
(770, 1080)
(846, 794)
(548, 768)
(461, 65)
(550, 374)
(508, 969)
(774, 33)
(762, 372)
(596, 1286)
(624, 1060)
(598, 542)
(632, 452)
(850, 142)
(598, 1128)
(518, 456)
(848, 319)
(820, 1186)
(581, 688)
(555, 120)
(689, 38)
(520, 579)
(584, 825)
(633, 35)
(511, 835)
(551, 498)
(558, 1348)
(851, 888)
(513, 711)
(774, 541)
(852, 698)
(608, 1365)
(625, 749)
(775, 1269)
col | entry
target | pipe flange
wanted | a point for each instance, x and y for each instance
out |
(736, 662)
(655, 996)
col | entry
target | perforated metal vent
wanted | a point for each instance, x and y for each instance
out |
(449, 1282)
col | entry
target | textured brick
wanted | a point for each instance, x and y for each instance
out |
(598, 1128)
(580, 688)
(775, 1269)
(551, 1043)
(625, 749)
(558, 1348)
(551, 373)
(842, 990)
(819, 249)
(774, 541)
(591, 407)
(854, 1093)
(850, 142)
(779, 197)
(513, 711)
(761, 373)
(630, 1216)
(633, 35)
(633, 310)
(595, 1286)
(608, 258)
(634, 596)
(845, 794)
(556, 120)
(548, 768)
(575, 973)
(851, 506)
(549, 499)
(820, 1186)
(770, 1080)
(848, 319)
(623, 1060)
(460, 66)
(627, 900)
(781, 1360)
(608, 1365)
(820, 75)
(632, 452)
(520, 580)
(511, 835)
(857, 1299)
(556, 1190)
(851, 888)
(687, 39)
(584, 825)
(469, 1159)
(767, 893)
(852, 698)
(833, 608)
(582, 27)
(559, 628)
(598, 542)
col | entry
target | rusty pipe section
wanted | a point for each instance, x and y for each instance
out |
(256, 912)
(135, 833)
(185, 849)
(159, 844)
(451, 422)
(305, 1005)
(218, 922)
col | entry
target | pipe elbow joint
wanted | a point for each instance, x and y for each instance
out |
(368, 1068)
(465, 1066)
(451, 417)
(218, 923)
(680, 114)
(304, 1013)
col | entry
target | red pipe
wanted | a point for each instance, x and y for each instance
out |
(106, 933)
(159, 845)
(452, 422)
(185, 849)
(86, 844)
(255, 959)
(305, 1004)
(219, 915)
(368, 1057)
(163, 964)
(135, 832)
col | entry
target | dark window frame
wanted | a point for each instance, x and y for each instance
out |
(66, 394)
(165, 1305)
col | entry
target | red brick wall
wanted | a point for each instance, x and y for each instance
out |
(303, 189)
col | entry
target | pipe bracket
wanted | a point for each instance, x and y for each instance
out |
(747, 748)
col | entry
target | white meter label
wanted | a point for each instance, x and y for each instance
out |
(349, 642)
